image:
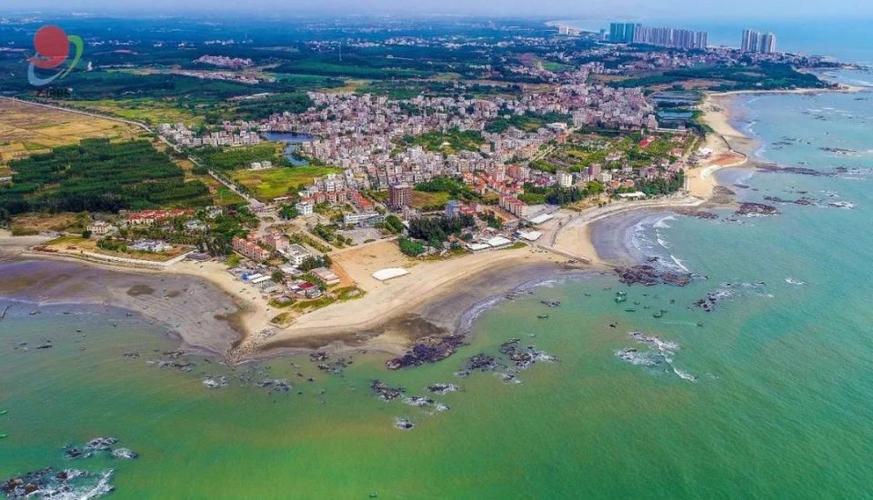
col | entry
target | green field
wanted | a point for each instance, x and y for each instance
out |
(273, 183)
(146, 110)
(241, 157)
(447, 142)
(422, 200)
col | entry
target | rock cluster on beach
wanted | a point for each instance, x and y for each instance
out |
(648, 275)
(427, 350)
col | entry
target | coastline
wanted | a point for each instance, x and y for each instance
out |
(436, 298)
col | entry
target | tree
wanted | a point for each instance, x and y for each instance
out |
(288, 212)
(86, 234)
(278, 276)
(410, 247)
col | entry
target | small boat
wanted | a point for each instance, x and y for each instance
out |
(4, 436)
(543, 316)
(630, 310)
(3, 412)
(658, 314)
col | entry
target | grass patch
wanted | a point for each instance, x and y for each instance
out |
(146, 110)
(273, 183)
(446, 142)
(429, 202)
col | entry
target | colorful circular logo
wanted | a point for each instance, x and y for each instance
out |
(52, 46)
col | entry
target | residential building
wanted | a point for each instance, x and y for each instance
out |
(305, 208)
(100, 228)
(296, 254)
(400, 196)
(250, 249)
(453, 208)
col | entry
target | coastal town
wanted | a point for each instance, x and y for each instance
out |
(435, 249)
(349, 195)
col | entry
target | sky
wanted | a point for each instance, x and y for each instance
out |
(558, 9)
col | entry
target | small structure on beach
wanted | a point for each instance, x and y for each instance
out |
(390, 273)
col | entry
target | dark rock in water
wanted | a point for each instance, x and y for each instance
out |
(47, 345)
(275, 385)
(756, 209)
(100, 444)
(776, 169)
(335, 367)
(650, 276)
(551, 303)
(481, 362)
(49, 483)
(385, 392)
(317, 357)
(175, 360)
(442, 389)
(800, 201)
(404, 424)
(131, 355)
(700, 214)
(427, 350)
(216, 382)
(125, 454)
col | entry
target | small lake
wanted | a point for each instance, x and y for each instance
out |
(292, 144)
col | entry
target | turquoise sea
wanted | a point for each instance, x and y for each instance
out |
(767, 396)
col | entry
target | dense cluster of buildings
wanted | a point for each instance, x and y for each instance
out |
(229, 136)
(660, 37)
(753, 41)
(367, 135)
(225, 62)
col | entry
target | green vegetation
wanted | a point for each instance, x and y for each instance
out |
(449, 142)
(97, 175)
(429, 202)
(411, 248)
(453, 187)
(393, 224)
(436, 230)
(151, 111)
(766, 76)
(556, 195)
(275, 182)
(241, 157)
(288, 212)
(528, 122)
(662, 186)
(260, 108)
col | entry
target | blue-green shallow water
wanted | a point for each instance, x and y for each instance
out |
(780, 408)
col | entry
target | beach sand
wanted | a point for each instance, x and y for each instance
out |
(395, 312)
(202, 316)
